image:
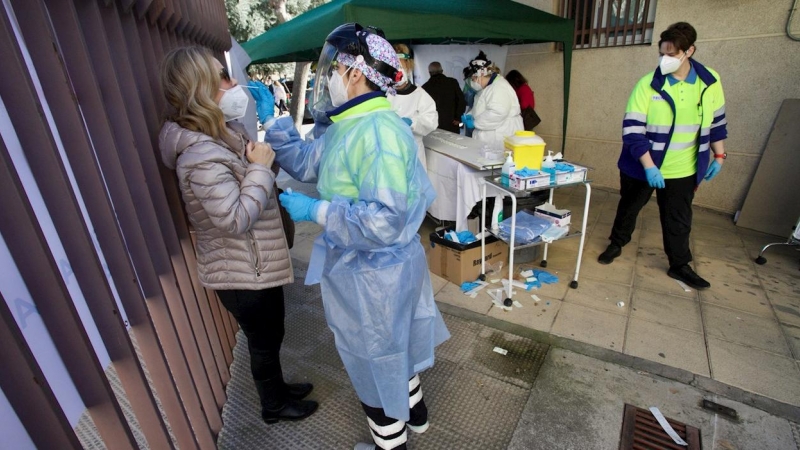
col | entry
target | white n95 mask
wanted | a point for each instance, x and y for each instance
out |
(234, 103)
(669, 64)
(337, 89)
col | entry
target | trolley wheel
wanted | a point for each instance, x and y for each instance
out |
(761, 260)
(508, 302)
(482, 277)
(543, 263)
(574, 284)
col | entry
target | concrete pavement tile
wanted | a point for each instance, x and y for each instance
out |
(779, 259)
(577, 403)
(702, 216)
(302, 247)
(779, 281)
(786, 308)
(651, 237)
(745, 329)
(652, 257)
(537, 315)
(307, 229)
(437, 283)
(600, 295)
(755, 370)
(727, 253)
(708, 234)
(669, 310)
(750, 299)
(590, 325)
(620, 272)
(717, 271)
(656, 279)
(652, 223)
(479, 407)
(462, 335)
(558, 258)
(793, 336)
(554, 290)
(452, 295)
(671, 346)
(518, 366)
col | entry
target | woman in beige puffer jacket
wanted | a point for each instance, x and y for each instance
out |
(227, 185)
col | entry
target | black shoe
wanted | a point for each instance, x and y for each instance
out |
(294, 410)
(298, 391)
(608, 256)
(687, 275)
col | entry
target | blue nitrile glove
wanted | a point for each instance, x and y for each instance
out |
(545, 277)
(526, 172)
(300, 206)
(465, 237)
(713, 170)
(564, 167)
(468, 120)
(535, 284)
(407, 120)
(468, 286)
(654, 177)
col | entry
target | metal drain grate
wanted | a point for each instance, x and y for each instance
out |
(641, 431)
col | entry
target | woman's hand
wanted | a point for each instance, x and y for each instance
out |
(260, 153)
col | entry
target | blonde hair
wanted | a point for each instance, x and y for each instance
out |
(408, 64)
(190, 81)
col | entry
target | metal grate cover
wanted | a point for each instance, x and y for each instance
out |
(641, 431)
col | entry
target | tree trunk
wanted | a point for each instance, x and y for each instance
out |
(297, 108)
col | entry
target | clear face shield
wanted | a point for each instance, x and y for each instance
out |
(322, 96)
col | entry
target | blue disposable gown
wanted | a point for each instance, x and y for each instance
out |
(376, 288)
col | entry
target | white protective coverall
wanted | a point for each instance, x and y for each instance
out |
(417, 105)
(370, 263)
(496, 112)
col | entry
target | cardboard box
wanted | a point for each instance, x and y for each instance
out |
(458, 263)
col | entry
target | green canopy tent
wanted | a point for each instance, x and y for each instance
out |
(500, 22)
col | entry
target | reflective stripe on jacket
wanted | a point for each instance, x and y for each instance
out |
(649, 125)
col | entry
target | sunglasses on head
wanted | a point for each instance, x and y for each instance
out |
(224, 75)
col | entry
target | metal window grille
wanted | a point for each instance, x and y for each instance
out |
(610, 23)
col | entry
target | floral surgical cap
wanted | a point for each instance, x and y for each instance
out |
(380, 49)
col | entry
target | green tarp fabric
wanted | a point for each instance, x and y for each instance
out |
(500, 22)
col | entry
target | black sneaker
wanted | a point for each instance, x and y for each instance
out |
(611, 253)
(687, 275)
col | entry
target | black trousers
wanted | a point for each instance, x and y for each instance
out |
(389, 433)
(260, 315)
(675, 212)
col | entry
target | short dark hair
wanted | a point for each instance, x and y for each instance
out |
(435, 68)
(680, 34)
(515, 79)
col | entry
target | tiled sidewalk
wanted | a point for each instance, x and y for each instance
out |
(744, 331)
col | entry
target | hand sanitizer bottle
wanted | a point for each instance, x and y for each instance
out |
(508, 169)
(550, 166)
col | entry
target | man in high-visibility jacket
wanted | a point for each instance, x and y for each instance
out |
(674, 125)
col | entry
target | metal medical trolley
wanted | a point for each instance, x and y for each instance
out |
(794, 241)
(494, 182)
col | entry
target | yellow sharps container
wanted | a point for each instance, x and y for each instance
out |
(527, 149)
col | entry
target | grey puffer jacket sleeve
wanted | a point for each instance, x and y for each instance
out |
(234, 210)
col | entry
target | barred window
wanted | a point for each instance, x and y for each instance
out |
(610, 23)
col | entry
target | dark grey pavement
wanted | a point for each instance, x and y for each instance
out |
(535, 397)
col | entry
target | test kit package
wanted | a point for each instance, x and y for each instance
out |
(458, 263)
(558, 217)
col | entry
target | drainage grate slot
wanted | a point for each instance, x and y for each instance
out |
(641, 431)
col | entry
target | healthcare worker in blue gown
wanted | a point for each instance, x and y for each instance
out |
(374, 277)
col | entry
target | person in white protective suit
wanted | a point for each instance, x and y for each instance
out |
(376, 288)
(496, 113)
(415, 106)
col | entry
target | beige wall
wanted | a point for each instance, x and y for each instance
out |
(743, 40)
